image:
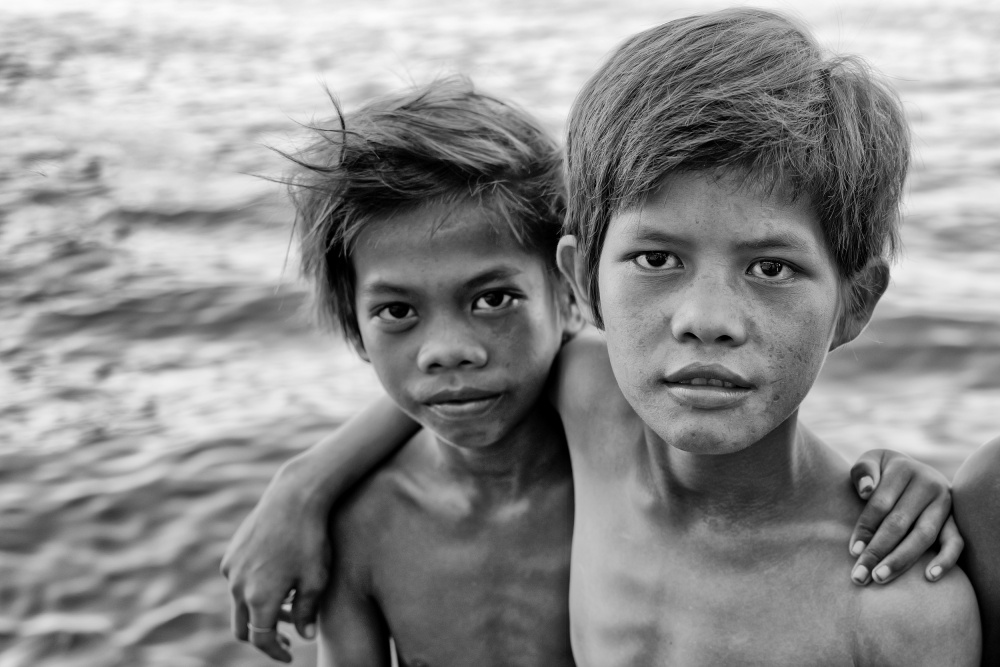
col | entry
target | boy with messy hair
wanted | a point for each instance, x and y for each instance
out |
(428, 223)
(709, 526)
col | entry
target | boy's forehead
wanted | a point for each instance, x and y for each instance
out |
(449, 243)
(708, 206)
(733, 184)
(425, 223)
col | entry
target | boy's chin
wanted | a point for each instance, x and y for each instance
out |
(472, 437)
(705, 440)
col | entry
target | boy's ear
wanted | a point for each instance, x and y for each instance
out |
(859, 298)
(572, 318)
(574, 270)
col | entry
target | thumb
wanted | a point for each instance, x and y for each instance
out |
(867, 472)
(305, 607)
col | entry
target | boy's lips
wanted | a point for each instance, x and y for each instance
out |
(461, 403)
(707, 386)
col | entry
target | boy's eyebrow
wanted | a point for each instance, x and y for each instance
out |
(493, 275)
(379, 288)
(781, 240)
(776, 240)
(382, 288)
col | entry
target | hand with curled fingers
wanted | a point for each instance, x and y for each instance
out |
(276, 564)
(908, 511)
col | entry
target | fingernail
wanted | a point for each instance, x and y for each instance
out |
(310, 631)
(935, 572)
(881, 573)
(857, 548)
(859, 574)
(865, 485)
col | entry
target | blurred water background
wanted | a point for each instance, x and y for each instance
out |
(155, 365)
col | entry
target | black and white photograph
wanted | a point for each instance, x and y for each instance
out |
(472, 333)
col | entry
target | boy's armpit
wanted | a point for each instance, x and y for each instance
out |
(914, 622)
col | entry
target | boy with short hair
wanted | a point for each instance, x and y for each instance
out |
(733, 201)
(707, 518)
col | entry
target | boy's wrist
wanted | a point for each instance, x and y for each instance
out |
(307, 484)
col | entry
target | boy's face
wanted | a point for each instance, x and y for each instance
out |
(720, 307)
(459, 322)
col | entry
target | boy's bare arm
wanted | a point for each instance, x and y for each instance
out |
(977, 511)
(282, 546)
(352, 630)
(353, 634)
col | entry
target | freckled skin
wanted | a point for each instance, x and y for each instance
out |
(715, 535)
(459, 545)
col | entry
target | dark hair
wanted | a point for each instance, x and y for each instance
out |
(742, 91)
(440, 143)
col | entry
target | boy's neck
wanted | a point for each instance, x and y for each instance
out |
(755, 485)
(532, 450)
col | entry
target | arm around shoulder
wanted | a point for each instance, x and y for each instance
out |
(330, 467)
(914, 622)
(582, 380)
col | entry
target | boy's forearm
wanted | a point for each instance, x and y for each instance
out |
(325, 471)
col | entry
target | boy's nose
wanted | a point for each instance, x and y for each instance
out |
(450, 347)
(709, 313)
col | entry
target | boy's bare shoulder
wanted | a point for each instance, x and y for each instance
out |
(915, 622)
(363, 515)
(583, 380)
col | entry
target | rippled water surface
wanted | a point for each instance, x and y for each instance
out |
(155, 364)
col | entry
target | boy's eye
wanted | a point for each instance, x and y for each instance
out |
(658, 260)
(493, 301)
(770, 269)
(394, 312)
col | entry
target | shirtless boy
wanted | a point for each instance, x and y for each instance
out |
(733, 199)
(710, 526)
(428, 222)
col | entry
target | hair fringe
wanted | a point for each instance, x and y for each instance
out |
(748, 92)
(440, 143)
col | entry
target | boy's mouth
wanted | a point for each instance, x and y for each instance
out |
(712, 382)
(461, 403)
(707, 387)
(708, 375)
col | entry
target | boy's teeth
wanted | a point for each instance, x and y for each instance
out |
(708, 381)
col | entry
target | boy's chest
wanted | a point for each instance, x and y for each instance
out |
(477, 592)
(643, 602)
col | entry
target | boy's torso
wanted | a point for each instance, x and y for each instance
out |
(649, 591)
(703, 595)
(464, 577)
